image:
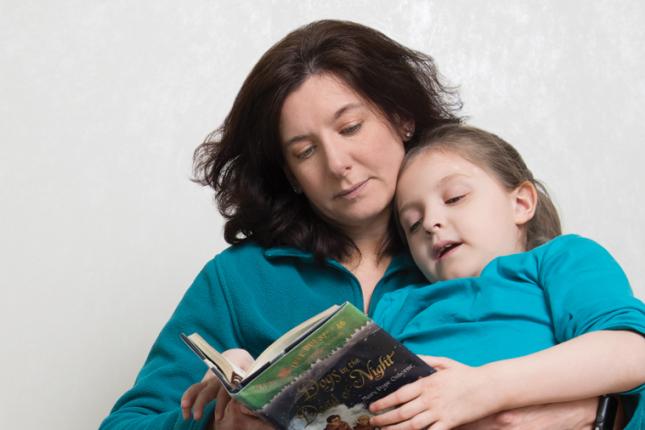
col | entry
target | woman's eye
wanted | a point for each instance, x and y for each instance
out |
(352, 129)
(306, 153)
(453, 200)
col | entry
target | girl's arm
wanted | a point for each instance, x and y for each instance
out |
(588, 366)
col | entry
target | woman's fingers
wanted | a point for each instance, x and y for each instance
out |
(240, 357)
(197, 396)
(208, 392)
(222, 399)
(188, 398)
(231, 415)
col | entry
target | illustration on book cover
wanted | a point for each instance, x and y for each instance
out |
(336, 392)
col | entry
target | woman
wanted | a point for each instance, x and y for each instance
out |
(304, 170)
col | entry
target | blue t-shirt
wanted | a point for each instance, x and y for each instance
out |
(520, 304)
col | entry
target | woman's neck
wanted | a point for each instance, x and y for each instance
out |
(369, 239)
(368, 264)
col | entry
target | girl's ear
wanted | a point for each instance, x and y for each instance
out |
(525, 200)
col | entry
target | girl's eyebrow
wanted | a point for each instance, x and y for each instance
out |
(340, 112)
(451, 177)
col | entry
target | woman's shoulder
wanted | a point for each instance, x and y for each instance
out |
(249, 257)
(244, 250)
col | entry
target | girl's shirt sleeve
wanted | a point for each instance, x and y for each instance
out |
(586, 290)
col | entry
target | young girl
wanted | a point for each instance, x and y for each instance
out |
(505, 284)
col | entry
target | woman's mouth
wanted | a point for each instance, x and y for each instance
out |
(351, 192)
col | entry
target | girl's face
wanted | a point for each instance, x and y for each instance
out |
(343, 154)
(456, 216)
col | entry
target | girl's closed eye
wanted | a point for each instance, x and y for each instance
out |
(410, 220)
(414, 226)
(454, 199)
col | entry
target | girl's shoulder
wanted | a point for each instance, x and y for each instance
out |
(569, 244)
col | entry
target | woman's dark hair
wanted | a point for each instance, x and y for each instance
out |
(243, 160)
(500, 158)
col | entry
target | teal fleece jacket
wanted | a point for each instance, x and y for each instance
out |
(246, 297)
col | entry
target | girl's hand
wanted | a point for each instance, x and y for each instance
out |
(456, 394)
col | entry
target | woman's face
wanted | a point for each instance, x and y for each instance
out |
(342, 152)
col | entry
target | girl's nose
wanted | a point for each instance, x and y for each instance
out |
(433, 223)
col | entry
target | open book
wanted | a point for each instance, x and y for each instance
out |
(231, 376)
(335, 363)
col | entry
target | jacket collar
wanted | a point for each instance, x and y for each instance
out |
(402, 261)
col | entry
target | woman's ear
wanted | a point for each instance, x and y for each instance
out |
(405, 128)
(525, 200)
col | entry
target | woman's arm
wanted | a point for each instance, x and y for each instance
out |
(153, 401)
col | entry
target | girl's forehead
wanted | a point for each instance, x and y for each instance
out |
(437, 161)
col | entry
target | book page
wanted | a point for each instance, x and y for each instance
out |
(289, 338)
(230, 371)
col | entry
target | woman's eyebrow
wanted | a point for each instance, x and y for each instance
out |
(340, 112)
(298, 138)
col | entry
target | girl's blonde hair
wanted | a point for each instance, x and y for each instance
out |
(497, 156)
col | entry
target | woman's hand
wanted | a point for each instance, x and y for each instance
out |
(229, 414)
(454, 395)
(574, 415)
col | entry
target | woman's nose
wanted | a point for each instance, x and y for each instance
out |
(339, 161)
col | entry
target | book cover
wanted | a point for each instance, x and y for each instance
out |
(329, 376)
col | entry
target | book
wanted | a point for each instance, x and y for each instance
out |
(322, 374)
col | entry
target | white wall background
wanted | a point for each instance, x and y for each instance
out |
(103, 102)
